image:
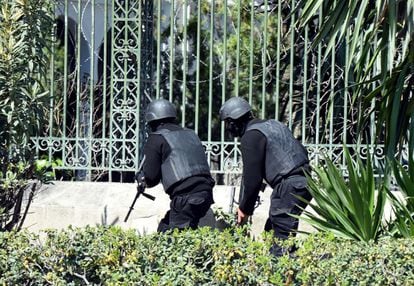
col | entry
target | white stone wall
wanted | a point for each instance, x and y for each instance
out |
(83, 203)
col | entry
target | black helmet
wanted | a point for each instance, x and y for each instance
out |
(234, 108)
(160, 109)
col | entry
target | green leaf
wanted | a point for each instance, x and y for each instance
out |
(349, 208)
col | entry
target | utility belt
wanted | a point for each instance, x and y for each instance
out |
(197, 187)
(299, 171)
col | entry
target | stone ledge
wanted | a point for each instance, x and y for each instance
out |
(61, 204)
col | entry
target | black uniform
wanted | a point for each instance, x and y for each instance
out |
(270, 152)
(175, 157)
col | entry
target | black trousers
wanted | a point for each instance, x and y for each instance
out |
(284, 202)
(186, 210)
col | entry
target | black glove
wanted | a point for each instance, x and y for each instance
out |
(140, 178)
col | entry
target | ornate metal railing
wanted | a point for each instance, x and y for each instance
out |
(112, 57)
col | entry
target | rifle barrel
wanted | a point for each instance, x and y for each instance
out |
(140, 190)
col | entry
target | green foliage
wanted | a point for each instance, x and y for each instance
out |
(403, 225)
(12, 186)
(236, 61)
(111, 256)
(47, 171)
(349, 208)
(25, 26)
(224, 219)
(117, 257)
(20, 179)
(380, 39)
(405, 177)
(326, 260)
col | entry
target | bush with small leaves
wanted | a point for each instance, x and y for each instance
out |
(112, 256)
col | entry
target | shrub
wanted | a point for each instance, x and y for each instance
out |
(324, 260)
(25, 28)
(112, 256)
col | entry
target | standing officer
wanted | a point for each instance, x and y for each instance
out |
(269, 152)
(176, 157)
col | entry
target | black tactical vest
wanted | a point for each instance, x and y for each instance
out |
(187, 157)
(283, 152)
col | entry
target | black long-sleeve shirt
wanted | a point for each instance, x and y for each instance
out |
(253, 149)
(156, 151)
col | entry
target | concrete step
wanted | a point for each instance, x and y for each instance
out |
(61, 204)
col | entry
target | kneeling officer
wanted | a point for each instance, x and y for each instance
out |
(176, 157)
(270, 153)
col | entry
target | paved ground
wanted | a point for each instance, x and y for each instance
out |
(83, 203)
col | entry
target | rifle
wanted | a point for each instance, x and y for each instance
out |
(140, 191)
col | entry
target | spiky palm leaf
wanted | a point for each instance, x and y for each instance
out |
(379, 36)
(403, 225)
(350, 208)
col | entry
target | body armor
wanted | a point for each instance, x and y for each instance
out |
(187, 157)
(283, 152)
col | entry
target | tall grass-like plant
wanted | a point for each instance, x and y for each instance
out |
(403, 225)
(405, 178)
(349, 207)
(379, 36)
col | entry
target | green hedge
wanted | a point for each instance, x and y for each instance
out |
(112, 256)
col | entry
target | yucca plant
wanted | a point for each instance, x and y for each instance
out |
(403, 225)
(405, 178)
(379, 39)
(349, 207)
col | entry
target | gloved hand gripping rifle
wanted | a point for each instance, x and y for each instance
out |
(140, 190)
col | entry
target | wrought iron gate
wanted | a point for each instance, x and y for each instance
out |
(111, 57)
(96, 124)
